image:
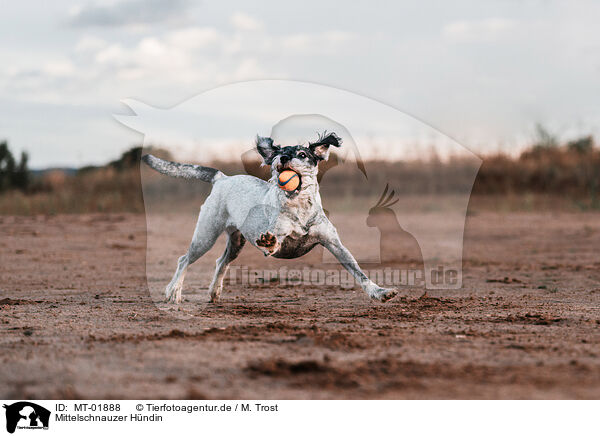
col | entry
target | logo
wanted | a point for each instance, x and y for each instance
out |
(26, 415)
(392, 190)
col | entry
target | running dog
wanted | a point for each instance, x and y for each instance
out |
(280, 223)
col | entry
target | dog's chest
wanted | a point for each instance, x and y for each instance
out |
(294, 246)
(294, 230)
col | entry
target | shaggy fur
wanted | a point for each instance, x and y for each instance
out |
(279, 223)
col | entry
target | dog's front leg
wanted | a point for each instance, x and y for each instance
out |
(332, 242)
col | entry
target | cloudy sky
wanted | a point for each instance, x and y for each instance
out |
(483, 74)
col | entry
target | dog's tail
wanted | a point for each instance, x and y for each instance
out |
(183, 171)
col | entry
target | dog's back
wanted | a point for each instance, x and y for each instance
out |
(242, 195)
(234, 198)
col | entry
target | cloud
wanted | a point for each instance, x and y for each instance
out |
(244, 22)
(194, 38)
(90, 44)
(193, 54)
(58, 68)
(127, 12)
(180, 58)
(478, 30)
(317, 43)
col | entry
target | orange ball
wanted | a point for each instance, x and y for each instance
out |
(288, 180)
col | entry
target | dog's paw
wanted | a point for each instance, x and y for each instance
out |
(268, 241)
(174, 299)
(173, 296)
(383, 294)
(215, 297)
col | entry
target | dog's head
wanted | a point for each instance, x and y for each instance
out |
(304, 160)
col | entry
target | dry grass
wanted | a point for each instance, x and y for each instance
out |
(543, 178)
(101, 190)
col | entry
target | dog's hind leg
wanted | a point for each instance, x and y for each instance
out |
(173, 290)
(208, 229)
(235, 242)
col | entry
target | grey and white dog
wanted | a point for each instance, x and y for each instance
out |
(281, 224)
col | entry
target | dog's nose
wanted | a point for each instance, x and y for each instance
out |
(284, 159)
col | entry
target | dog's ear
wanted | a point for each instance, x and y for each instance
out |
(320, 148)
(266, 149)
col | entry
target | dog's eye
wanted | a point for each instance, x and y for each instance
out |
(301, 155)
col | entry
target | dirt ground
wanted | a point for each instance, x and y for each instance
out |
(76, 320)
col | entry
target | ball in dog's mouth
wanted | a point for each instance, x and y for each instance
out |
(288, 180)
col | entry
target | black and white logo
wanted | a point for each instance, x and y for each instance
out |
(26, 415)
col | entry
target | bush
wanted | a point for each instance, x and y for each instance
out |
(13, 175)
